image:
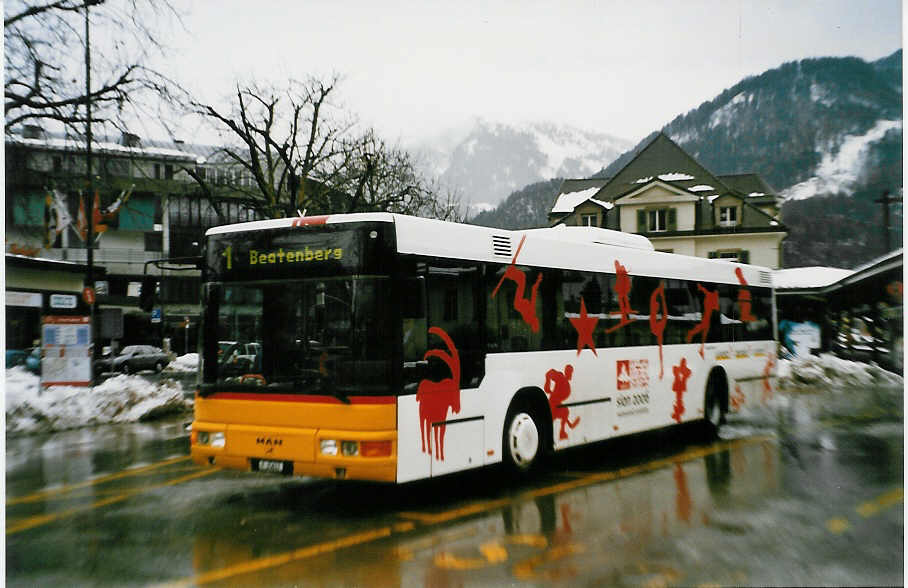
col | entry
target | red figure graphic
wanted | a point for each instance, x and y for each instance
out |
(737, 399)
(558, 387)
(710, 305)
(683, 504)
(435, 398)
(658, 326)
(679, 387)
(526, 307)
(744, 298)
(767, 384)
(585, 325)
(623, 289)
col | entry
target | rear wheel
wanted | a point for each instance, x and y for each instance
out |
(713, 405)
(521, 441)
(158, 366)
(125, 368)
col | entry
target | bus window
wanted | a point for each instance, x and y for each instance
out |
(453, 300)
(521, 308)
(413, 311)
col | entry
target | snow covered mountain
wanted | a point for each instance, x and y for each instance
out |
(487, 160)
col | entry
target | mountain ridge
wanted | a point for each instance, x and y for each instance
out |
(825, 132)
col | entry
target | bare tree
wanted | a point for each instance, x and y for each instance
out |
(44, 47)
(303, 153)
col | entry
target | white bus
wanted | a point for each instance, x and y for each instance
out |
(396, 348)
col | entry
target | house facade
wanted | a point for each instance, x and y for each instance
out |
(665, 195)
(148, 206)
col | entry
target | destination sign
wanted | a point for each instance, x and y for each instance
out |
(297, 252)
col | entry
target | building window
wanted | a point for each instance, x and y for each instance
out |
(739, 255)
(154, 241)
(58, 164)
(157, 171)
(728, 216)
(168, 172)
(657, 220)
(589, 220)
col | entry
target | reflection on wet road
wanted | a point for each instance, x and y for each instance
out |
(124, 506)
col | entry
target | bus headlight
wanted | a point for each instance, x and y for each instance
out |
(203, 437)
(218, 439)
(349, 448)
(329, 447)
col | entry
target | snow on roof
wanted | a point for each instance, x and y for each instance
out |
(642, 180)
(700, 188)
(756, 194)
(603, 203)
(675, 177)
(808, 277)
(68, 144)
(568, 202)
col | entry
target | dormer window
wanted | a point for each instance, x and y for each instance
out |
(728, 216)
(589, 220)
(656, 220)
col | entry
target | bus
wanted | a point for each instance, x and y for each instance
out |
(394, 348)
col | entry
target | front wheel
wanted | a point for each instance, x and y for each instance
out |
(125, 368)
(520, 446)
(159, 366)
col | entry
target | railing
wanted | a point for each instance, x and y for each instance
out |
(106, 256)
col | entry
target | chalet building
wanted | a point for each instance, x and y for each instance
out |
(665, 195)
(148, 207)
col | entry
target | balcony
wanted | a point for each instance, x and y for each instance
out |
(121, 261)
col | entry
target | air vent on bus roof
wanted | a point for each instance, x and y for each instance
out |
(501, 245)
(766, 278)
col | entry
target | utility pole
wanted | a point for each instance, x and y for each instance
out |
(89, 196)
(886, 199)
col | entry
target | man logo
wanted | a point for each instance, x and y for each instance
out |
(269, 441)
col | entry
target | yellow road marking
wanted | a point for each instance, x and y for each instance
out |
(282, 558)
(31, 522)
(870, 508)
(837, 525)
(445, 559)
(36, 496)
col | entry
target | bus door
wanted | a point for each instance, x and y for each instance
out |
(444, 364)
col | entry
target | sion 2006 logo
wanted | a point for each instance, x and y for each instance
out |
(632, 373)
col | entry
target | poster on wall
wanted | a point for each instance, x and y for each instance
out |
(66, 351)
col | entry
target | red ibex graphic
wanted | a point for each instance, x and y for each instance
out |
(435, 398)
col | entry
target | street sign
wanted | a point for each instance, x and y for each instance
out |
(62, 300)
(156, 315)
(88, 295)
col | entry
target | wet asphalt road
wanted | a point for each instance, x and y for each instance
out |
(799, 496)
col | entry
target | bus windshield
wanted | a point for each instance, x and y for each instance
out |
(325, 335)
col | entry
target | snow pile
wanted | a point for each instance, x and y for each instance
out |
(33, 409)
(824, 390)
(827, 370)
(184, 363)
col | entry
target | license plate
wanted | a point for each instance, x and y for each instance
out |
(268, 465)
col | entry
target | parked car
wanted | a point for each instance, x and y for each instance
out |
(29, 358)
(133, 359)
(239, 358)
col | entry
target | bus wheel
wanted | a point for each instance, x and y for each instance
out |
(713, 405)
(520, 446)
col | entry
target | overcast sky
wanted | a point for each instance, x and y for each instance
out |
(413, 69)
